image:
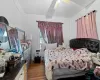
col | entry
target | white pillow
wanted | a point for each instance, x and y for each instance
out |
(51, 46)
(65, 45)
(98, 55)
(96, 60)
(92, 54)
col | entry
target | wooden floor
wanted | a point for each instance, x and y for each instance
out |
(36, 72)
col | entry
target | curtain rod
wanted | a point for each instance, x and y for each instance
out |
(48, 21)
(87, 13)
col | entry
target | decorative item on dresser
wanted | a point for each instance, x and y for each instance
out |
(17, 73)
(37, 58)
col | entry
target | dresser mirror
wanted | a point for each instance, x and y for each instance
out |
(4, 40)
(13, 38)
(21, 39)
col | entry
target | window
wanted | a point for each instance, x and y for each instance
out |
(42, 42)
(41, 38)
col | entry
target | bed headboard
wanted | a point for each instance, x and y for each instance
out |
(92, 45)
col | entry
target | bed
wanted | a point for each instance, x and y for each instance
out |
(62, 63)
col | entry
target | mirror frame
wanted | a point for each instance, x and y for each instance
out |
(22, 32)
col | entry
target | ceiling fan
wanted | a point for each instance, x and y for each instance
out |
(55, 4)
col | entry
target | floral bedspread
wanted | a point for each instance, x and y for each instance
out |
(68, 58)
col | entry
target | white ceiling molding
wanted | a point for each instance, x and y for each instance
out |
(76, 4)
(19, 7)
(90, 3)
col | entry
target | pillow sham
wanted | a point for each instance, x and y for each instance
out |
(60, 48)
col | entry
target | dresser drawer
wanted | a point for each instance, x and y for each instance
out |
(22, 75)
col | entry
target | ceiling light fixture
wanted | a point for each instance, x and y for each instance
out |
(66, 1)
(57, 3)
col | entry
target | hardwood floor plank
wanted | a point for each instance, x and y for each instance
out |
(36, 72)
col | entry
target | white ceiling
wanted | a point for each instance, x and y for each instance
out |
(40, 7)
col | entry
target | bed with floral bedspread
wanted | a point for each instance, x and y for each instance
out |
(60, 58)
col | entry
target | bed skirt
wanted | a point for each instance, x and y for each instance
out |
(63, 73)
(66, 73)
